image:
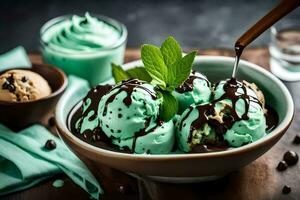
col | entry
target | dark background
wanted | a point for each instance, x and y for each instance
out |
(203, 23)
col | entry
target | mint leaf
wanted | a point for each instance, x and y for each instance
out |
(169, 106)
(118, 73)
(181, 70)
(154, 64)
(171, 51)
(139, 73)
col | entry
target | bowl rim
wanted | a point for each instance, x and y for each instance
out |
(277, 132)
(56, 70)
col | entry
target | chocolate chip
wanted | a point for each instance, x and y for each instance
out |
(125, 189)
(286, 189)
(8, 86)
(296, 139)
(5, 85)
(282, 166)
(50, 144)
(51, 122)
(290, 157)
(11, 88)
(24, 79)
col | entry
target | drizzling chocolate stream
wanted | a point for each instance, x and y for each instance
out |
(278, 12)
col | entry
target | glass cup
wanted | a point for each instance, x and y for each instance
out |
(285, 49)
(95, 65)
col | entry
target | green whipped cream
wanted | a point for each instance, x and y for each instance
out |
(82, 34)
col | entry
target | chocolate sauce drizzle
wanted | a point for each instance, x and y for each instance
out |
(128, 86)
(97, 136)
(94, 95)
(188, 84)
(143, 131)
(230, 117)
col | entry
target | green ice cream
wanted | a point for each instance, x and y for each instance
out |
(196, 89)
(251, 129)
(235, 116)
(128, 114)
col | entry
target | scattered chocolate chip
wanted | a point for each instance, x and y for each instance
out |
(290, 157)
(11, 88)
(286, 189)
(50, 144)
(5, 85)
(125, 189)
(8, 86)
(282, 166)
(51, 122)
(296, 139)
(24, 79)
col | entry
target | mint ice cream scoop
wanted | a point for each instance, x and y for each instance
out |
(252, 127)
(158, 140)
(127, 116)
(235, 116)
(196, 89)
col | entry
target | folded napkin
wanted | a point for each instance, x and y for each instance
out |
(25, 162)
(16, 57)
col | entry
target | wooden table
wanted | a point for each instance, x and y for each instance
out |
(258, 181)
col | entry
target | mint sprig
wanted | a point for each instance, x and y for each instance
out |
(164, 67)
(169, 107)
(119, 74)
(168, 70)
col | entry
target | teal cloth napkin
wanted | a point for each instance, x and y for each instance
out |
(25, 162)
(16, 57)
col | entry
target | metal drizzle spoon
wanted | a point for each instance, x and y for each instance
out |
(282, 9)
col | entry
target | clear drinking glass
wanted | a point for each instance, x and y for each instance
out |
(285, 49)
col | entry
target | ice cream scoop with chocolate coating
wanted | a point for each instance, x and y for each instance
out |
(235, 116)
(128, 115)
(196, 89)
(22, 85)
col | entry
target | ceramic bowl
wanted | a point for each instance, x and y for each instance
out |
(19, 115)
(189, 167)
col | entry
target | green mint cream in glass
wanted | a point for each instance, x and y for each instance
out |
(84, 46)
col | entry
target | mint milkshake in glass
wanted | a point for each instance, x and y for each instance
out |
(84, 46)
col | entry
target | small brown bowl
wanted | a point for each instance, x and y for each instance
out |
(18, 115)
